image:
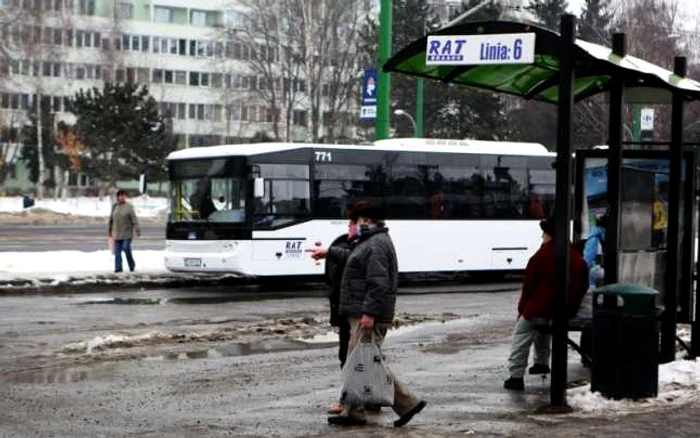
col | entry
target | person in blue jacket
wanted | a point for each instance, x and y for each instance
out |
(593, 251)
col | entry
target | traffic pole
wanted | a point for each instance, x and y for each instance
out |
(384, 89)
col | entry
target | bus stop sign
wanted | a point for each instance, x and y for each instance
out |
(368, 109)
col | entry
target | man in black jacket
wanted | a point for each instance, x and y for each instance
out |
(368, 300)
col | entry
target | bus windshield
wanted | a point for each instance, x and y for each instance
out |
(211, 190)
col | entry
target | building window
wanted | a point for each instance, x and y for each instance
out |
(143, 74)
(204, 79)
(194, 78)
(58, 37)
(135, 43)
(80, 71)
(157, 76)
(235, 113)
(299, 117)
(181, 111)
(216, 80)
(86, 7)
(199, 19)
(168, 77)
(156, 45)
(234, 19)
(56, 102)
(181, 77)
(145, 43)
(125, 11)
(193, 111)
(163, 15)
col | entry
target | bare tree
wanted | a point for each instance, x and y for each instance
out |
(262, 39)
(28, 46)
(310, 49)
(329, 35)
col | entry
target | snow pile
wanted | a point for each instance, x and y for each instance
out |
(679, 383)
(99, 343)
(83, 206)
(62, 264)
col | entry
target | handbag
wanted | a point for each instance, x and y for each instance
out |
(366, 380)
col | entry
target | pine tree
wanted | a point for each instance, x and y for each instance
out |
(594, 23)
(549, 12)
(122, 131)
(50, 149)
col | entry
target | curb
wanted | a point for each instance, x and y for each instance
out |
(103, 283)
(108, 283)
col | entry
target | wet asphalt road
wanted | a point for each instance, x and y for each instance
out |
(71, 238)
(221, 363)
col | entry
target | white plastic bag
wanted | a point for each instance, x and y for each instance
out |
(366, 379)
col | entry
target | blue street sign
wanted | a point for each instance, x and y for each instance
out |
(368, 109)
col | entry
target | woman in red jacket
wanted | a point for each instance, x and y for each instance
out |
(537, 306)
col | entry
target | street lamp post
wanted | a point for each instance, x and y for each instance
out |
(400, 112)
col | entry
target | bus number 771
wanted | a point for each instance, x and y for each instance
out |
(324, 156)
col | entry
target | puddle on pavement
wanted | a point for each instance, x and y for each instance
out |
(245, 349)
(79, 374)
(123, 301)
(60, 375)
(201, 300)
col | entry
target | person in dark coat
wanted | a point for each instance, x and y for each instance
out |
(368, 300)
(537, 306)
(334, 276)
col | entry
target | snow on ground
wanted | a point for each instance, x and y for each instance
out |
(62, 264)
(679, 383)
(84, 206)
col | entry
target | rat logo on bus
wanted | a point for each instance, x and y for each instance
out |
(293, 249)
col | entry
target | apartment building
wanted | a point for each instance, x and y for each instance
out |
(186, 52)
(179, 48)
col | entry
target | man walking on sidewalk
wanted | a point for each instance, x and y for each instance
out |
(123, 224)
(368, 300)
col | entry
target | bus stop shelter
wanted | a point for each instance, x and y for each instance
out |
(535, 63)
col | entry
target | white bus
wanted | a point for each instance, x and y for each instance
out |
(452, 205)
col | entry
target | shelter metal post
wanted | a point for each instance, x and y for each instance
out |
(562, 208)
(695, 326)
(668, 323)
(617, 99)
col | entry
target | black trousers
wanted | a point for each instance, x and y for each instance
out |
(344, 341)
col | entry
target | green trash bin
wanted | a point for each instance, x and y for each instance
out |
(625, 342)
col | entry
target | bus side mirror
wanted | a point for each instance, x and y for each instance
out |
(259, 188)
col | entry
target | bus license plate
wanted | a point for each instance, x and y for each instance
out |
(193, 263)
